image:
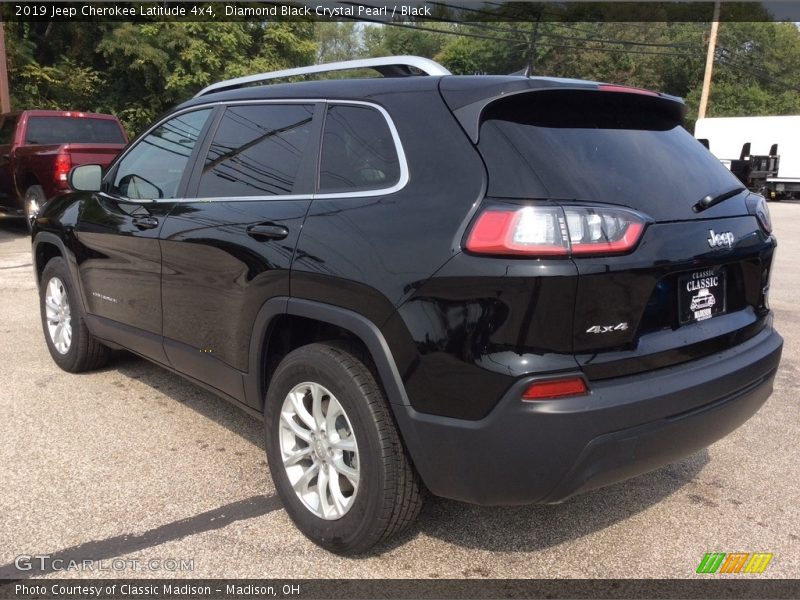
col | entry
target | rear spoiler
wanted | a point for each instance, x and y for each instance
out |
(468, 101)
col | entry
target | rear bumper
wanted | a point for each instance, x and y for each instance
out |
(529, 452)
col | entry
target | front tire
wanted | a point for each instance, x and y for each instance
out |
(334, 452)
(71, 345)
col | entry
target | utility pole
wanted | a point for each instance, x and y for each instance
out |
(5, 101)
(712, 47)
(531, 66)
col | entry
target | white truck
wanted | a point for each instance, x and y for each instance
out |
(764, 152)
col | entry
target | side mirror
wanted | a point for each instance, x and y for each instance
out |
(86, 178)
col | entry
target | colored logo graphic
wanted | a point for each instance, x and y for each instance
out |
(734, 562)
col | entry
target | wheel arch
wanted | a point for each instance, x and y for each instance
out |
(25, 180)
(29, 179)
(46, 246)
(359, 328)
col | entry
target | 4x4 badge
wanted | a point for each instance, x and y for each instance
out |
(720, 240)
(607, 328)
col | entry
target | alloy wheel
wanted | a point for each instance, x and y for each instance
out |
(59, 315)
(319, 450)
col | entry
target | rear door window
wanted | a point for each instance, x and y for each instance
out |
(257, 150)
(73, 130)
(358, 151)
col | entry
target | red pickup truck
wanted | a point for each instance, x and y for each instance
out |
(39, 147)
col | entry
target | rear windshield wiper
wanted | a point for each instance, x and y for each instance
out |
(710, 200)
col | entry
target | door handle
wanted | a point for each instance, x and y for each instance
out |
(267, 231)
(145, 222)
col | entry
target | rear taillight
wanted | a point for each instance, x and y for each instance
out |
(546, 230)
(555, 388)
(62, 168)
(757, 205)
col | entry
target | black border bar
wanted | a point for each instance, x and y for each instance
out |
(463, 11)
(714, 586)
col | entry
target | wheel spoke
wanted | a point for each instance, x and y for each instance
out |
(288, 422)
(339, 500)
(343, 469)
(334, 410)
(297, 456)
(300, 409)
(52, 291)
(347, 444)
(316, 406)
(301, 485)
(322, 489)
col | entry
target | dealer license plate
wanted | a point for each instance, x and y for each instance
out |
(701, 295)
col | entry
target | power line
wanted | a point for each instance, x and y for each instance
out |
(552, 35)
(735, 63)
(574, 39)
(519, 42)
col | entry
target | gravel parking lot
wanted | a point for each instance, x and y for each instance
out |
(136, 463)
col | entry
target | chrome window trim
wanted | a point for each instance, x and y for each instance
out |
(401, 155)
(398, 146)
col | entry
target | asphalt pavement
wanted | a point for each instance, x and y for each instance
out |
(133, 464)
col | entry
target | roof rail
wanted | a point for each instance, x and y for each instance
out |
(388, 66)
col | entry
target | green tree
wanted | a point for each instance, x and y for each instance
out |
(138, 70)
(155, 65)
(338, 41)
(404, 40)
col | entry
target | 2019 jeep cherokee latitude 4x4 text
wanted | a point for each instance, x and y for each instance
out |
(497, 288)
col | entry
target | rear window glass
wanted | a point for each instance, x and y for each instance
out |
(358, 151)
(73, 130)
(596, 147)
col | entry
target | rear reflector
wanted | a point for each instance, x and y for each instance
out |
(555, 388)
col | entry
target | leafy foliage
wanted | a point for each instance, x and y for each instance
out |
(139, 70)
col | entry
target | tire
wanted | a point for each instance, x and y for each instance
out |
(79, 351)
(34, 192)
(387, 497)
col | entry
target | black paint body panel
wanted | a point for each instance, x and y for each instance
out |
(455, 337)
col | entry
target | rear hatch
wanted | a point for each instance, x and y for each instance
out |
(693, 279)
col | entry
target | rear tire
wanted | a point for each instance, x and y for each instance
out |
(71, 345)
(385, 497)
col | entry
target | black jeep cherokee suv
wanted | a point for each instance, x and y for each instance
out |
(505, 290)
